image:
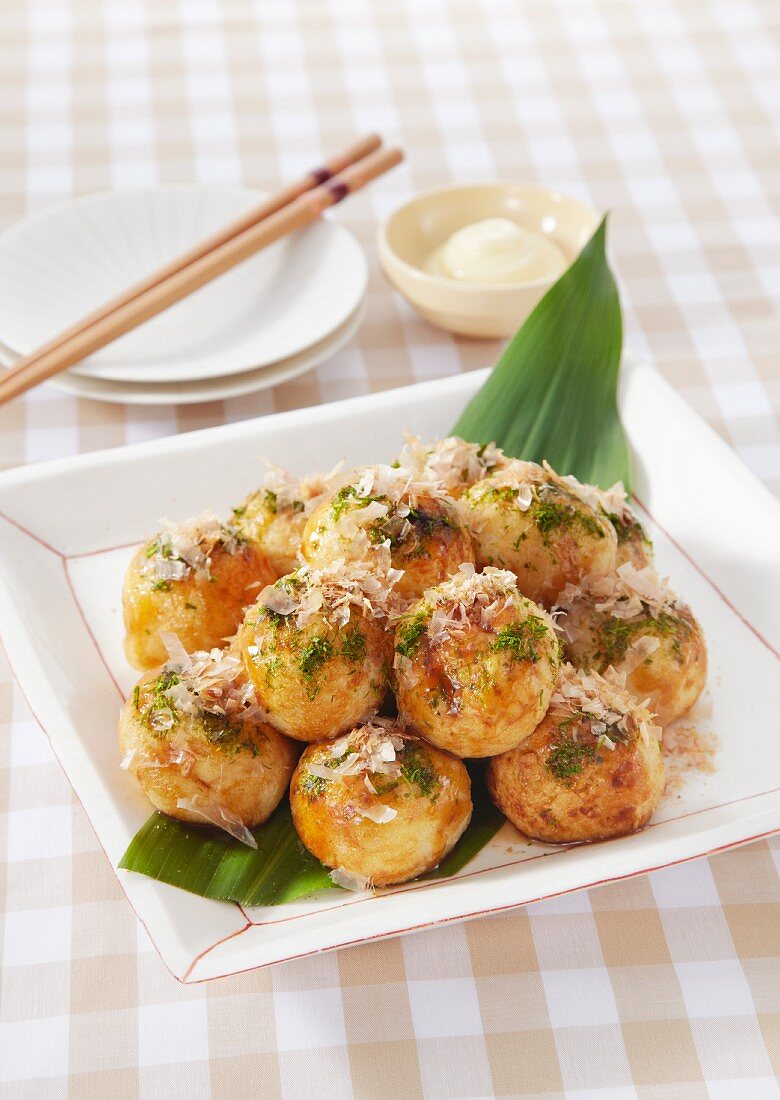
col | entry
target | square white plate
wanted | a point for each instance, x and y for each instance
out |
(68, 529)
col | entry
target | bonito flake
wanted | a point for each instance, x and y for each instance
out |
(210, 683)
(298, 493)
(184, 548)
(334, 591)
(451, 462)
(628, 593)
(368, 751)
(603, 704)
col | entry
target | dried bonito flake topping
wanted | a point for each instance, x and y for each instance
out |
(490, 590)
(282, 491)
(453, 603)
(167, 755)
(217, 814)
(334, 591)
(382, 492)
(451, 461)
(628, 593)
(520, 474)
(184, 548)
(369, 751)
(397, 484)
(348, 880)
(210, 691)
(203, 683)
(612, 501)
(602, 706)
(516, 487)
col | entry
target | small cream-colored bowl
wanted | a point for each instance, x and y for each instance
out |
(409, 237)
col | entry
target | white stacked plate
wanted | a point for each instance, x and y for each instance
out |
(273, 317)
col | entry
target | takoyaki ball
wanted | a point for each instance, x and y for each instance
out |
(452, 462)
(273, 518)
(192, 736)
(316, 648)
(379, 806)
(632, 621)
(475, 664)
(527, 519)
(194, 580)
(592, 769)
(633, 544)
(386, 509)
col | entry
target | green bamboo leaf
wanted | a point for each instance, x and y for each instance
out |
(553, 393)
(210, 863)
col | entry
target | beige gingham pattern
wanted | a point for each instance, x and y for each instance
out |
(668, 115)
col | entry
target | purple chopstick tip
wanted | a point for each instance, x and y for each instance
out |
(338, 190)
(320, 175)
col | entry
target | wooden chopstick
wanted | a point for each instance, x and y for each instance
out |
(301, 202)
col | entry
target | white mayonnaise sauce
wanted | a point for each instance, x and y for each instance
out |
(497, 251)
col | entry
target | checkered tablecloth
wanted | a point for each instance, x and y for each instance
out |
(666, 113)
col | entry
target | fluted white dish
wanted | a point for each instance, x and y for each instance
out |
(62, 263)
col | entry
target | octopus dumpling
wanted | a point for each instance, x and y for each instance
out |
(527, 519)
(274, 516)
(592, 769)
(632, 621)
(195, 740)
(193, 579)
(384, 511)
(317, 648)
(475, 663)
(380, 805)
